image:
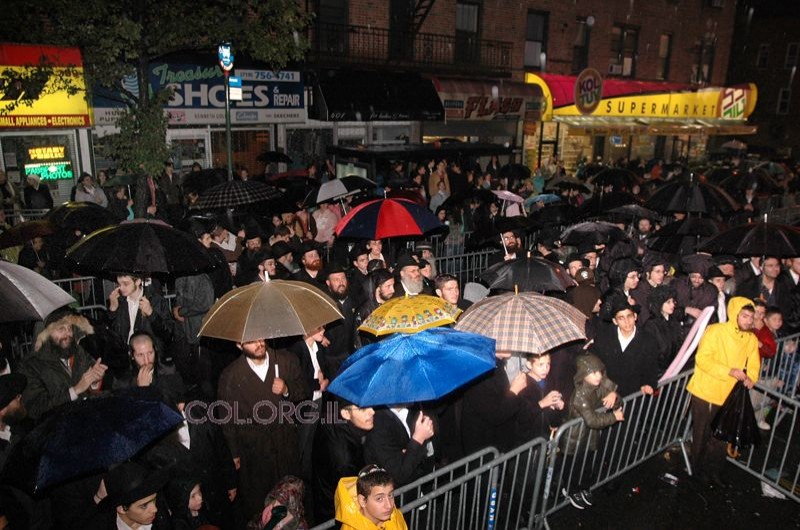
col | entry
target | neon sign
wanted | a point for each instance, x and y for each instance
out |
(55, 152)
(50, 170)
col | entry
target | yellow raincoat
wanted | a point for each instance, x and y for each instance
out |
(348, 512)
(723, 347)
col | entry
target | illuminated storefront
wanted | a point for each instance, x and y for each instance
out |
(44, 129)
(588, 116)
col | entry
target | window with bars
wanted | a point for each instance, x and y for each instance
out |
(784, 97)
(762, 59)
(624, 51)
(792, 53)
(703, 62)
(535, 38)
(580, 48)
(664, 55)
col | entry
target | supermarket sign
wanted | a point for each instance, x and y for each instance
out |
(51, 108)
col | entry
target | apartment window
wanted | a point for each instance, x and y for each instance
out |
(580, 48)
(624, 51)
(467, 17)
(664, 54)
(468, 14)
(792, 52)
(762, 59)
(535, 39)
(703, 61)
(784, 96)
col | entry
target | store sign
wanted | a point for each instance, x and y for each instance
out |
(51, 108)
(199, 96)
(466, 100)
(47, 153)
(588, 91)
(50, 170)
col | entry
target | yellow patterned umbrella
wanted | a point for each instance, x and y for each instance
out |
(410, 314)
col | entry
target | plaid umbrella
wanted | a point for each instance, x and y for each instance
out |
(236, 193)
(410, 314)
(524, 322)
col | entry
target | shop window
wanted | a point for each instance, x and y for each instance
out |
(580, 48)
(792, 52)
(245, 148)
(664, 55)
(51, 157)
(784, 97)
(703, 61)
(307, 145)
(535, 39)
(762, 59)
(624, 51)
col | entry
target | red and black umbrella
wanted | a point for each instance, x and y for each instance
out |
(384, 218)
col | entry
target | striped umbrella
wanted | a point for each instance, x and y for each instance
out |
(524, 322)
(384, 218)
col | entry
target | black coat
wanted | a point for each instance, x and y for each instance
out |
(667, 338)
(534, 421)
(159, 324)
(303, 276)
(781, 293)
(489, 413)
(300, 349)
(631, 369)
(338, 452)
(389, 445)
(341, 334)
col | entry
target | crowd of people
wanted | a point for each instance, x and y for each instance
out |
(639, 305)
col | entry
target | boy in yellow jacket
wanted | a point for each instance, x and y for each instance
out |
(366, 502)
(725, 351)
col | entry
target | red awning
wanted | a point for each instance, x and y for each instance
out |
(31, 55)
(562, 88)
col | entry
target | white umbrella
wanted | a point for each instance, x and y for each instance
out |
(736, 145)
(27, 295)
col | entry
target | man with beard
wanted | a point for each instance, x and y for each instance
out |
(311, 265)
(340, 333)
(59, 370)
(381, 287)
(513, 248)
(247, 264)
(146, 370)
(261, 386)
(285, 266)
(410, 278)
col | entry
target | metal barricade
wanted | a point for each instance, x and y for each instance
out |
(465, 267)
(15, 216)
(455, 496)
(781, 373)
(776, 460)
(88, 291)
(652, 424)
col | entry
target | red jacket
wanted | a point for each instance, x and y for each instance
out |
(767, 347)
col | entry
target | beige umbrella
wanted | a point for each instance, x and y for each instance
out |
(266, 310)
(524, 322)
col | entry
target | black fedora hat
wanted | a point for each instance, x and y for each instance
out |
(130, 482)
(11, 385)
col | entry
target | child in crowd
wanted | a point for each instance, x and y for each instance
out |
(366, 502)
(593, 390)
(768, 321)
(543, 401)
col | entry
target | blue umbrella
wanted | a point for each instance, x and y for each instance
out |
(417, 367)
(86, 436)
(547, 198)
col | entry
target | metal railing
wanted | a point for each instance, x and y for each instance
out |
(782, 372)
(776, 460)
(465, 267)
(16, 216)
(353, 44)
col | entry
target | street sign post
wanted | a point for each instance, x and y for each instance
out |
(225, 56)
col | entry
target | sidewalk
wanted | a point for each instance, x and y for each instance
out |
(657, 505)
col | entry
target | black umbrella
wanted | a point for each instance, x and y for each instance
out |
(568, 183)
(600, 203)
(200, 181)
(634, 211)
(527, 275)
(597, 232)
(24, 232)
(617, 177)
(236, 193)
(139, 247)
(756, 239)
(556, 215)
(680, 237)
(691, 197)
(129, 179)
(274, 157)
(735, 421)
(85, 217)
(515, 172)
(87, 436)
(718, 174)
(758, 179)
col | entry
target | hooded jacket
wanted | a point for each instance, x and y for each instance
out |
(722, 348)
(349, 514)
(585, 401)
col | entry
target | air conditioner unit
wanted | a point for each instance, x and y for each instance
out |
(615, 69)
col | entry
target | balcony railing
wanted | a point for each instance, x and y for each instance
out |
(365, 45)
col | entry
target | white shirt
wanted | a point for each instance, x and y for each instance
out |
(625, 341)
(402, 415)
(122, 526)
(133, 308)
(183, 433)
(313, 349)
(795, 277)
(261, 370)
(722, 313)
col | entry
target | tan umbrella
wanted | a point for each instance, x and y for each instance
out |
(524, 322)
(266, 310)
(410, 314)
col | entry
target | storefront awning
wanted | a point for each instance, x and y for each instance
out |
(352, 95)
(591, 126)
(486, 100)
(41, 105)
(629, 102)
